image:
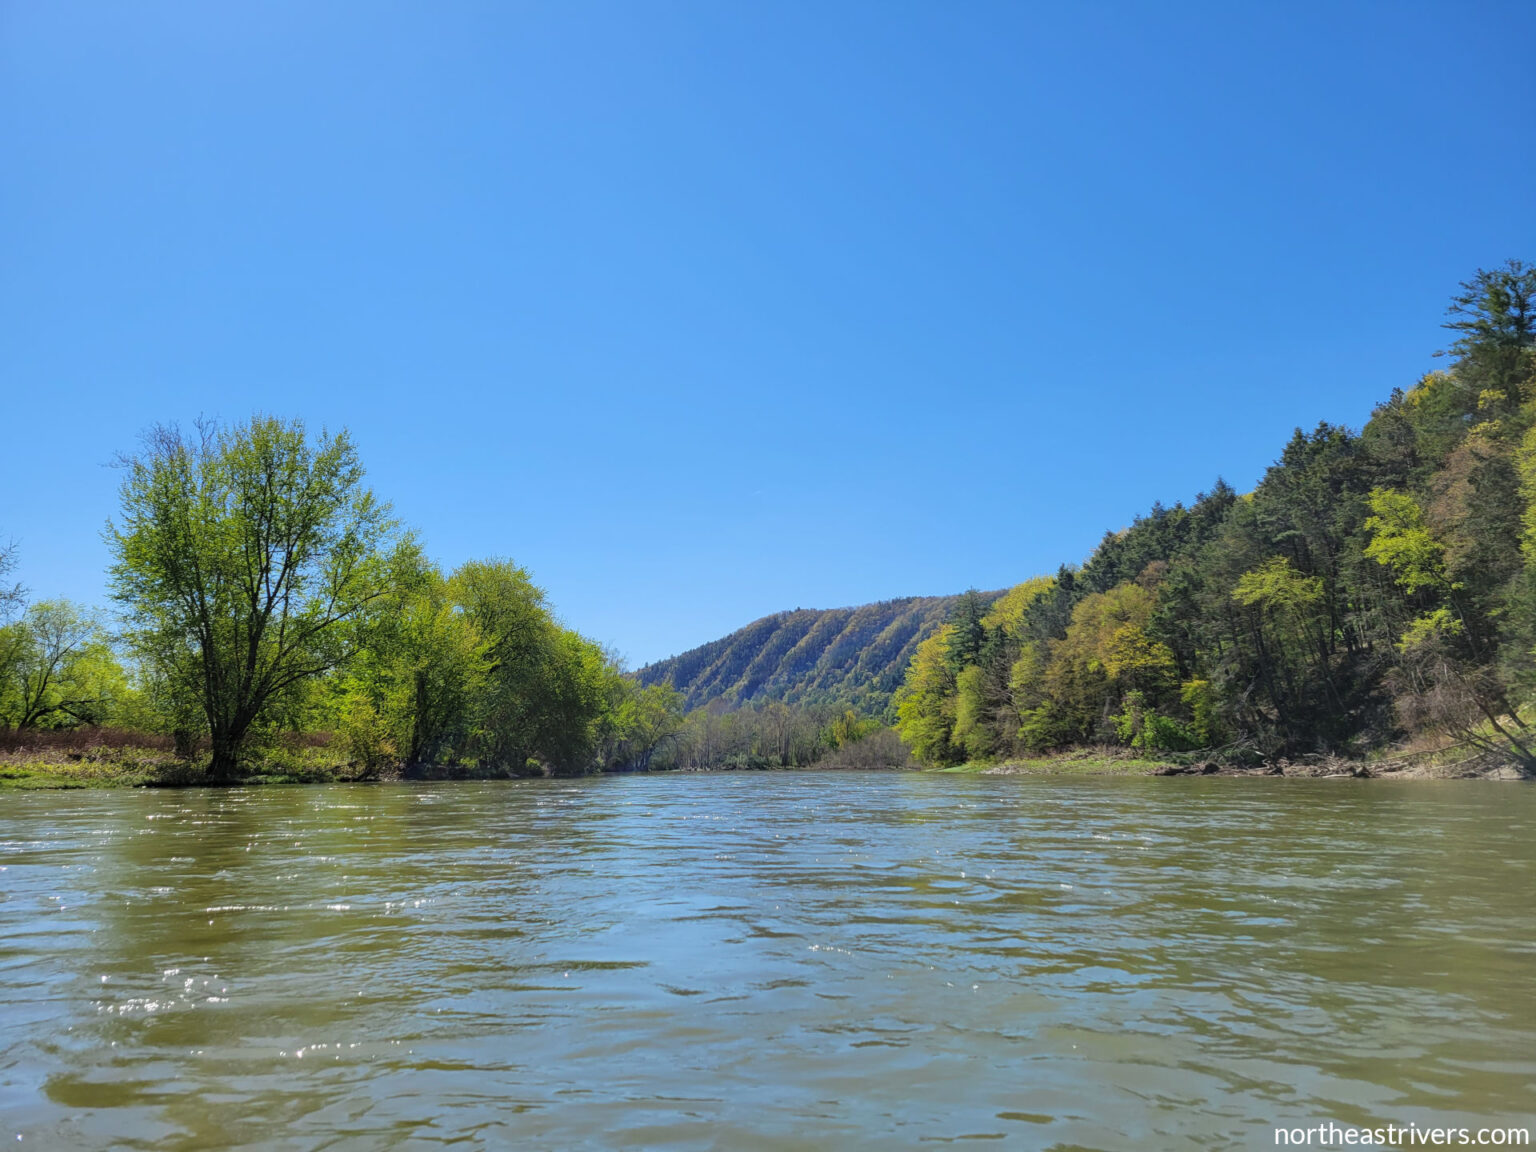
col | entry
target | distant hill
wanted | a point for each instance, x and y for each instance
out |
(852, 657)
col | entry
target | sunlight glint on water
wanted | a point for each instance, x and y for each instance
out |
(764, 960)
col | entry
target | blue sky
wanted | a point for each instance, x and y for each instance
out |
(705, 310)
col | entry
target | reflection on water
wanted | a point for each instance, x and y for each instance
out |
(764, 961)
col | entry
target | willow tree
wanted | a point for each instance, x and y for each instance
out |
(247, 558)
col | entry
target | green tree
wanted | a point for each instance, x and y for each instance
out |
(1401, 541)
(573, 716)
(1494, 315)
(925, 703)
(646, 720)
(849, 728)
(1445, 680)
(508, 613)
(988, 704)
(58, 670)
(1105, 654)
(547, 692)
(411, 694)
(247, 559)
(967, 631)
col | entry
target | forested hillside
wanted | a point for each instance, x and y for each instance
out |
(843, 657)
(1376, 587)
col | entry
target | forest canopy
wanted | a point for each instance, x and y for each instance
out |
(1375, 586)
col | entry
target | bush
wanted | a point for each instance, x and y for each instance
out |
(367, 738)
(879, 749)
(1144, 728)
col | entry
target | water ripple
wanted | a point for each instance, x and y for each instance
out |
(763, 960)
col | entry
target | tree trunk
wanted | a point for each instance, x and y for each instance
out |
(224, 768)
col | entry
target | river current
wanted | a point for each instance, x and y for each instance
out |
(764, 961)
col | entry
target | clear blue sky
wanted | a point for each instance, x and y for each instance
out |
(705, 310)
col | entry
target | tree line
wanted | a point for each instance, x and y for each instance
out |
(264, 588)
(1375, 585)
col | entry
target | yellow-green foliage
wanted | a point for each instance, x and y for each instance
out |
(366, 735)
(1199, 696)
(1106, 653)
(644, 720)
(1027, 677)
(1277, 585)
(1428, 628)
(1108, 637)
(1007, 612)
(1372, 583)
(1401, 541)
(986, 704)
(1435, 389)
(973, 733)
(925, 705)
(1525, 464)
(850, 728)
(58, 670)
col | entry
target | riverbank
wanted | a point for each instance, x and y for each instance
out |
(1437, 764)
(148, 767)
(138, 768)
(1080, 762)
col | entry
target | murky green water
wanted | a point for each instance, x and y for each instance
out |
(764, 961)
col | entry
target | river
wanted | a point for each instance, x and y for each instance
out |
(764, 960)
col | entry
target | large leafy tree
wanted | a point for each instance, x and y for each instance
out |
(925, 704)
(248, 558)
(519, 640)
(414, 689)
(644, 721)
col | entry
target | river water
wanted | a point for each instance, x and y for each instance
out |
(757, 961)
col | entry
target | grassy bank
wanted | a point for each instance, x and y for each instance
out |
(1443, 763)
(117, 758)
(1081, 762)
(120, 771)
(107, 758)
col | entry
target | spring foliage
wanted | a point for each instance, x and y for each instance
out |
(1375, 585)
